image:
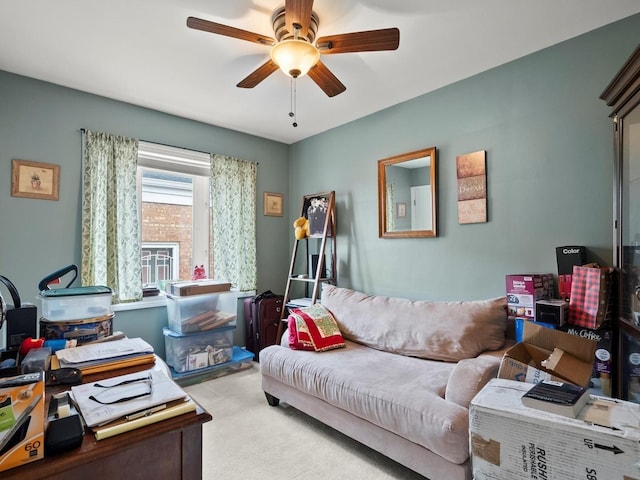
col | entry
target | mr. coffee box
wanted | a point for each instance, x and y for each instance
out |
(510, 441)
(21, 419)
(632, 368)
(603, 362)
(523, 290)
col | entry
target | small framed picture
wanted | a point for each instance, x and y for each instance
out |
(273, 204)
(402, 209)
(35, 180)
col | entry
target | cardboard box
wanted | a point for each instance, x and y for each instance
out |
(569, 256)
(21, 419)
(523, 290)
(603, 362)
(510, 441)
(188, 288)
(573, 357)
(631, 367)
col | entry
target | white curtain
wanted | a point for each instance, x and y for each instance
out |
(391, 218)
(233, 201)
(110, 225)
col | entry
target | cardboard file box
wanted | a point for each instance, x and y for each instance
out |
(21, 419)
(510, 441)
(571, 357)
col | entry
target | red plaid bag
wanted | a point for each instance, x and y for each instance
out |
(590, 300)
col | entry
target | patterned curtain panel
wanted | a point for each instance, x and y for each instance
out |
(391, 218)
(110, 221)
(233, 200)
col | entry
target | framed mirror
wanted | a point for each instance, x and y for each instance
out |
(407, 195)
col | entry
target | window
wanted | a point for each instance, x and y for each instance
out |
(175, 213)
(159, 262)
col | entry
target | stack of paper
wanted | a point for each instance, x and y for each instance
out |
(130, 401)
(99, 357)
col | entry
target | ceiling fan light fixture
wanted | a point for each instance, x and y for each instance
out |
(295, 57)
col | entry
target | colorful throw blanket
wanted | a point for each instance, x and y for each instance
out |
(313, 328)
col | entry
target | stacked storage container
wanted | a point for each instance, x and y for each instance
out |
(200, 331)
(83, 314)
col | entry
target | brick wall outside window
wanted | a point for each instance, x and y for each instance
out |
(163, 222)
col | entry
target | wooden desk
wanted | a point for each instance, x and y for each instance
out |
(169, 449)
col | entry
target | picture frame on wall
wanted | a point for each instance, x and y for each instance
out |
(35, 180)
(273, 204)
(402, 210)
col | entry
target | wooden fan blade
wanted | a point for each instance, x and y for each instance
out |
(326, 80)
(298, 11)
(368, 41)
(258, 75)
(220, 29)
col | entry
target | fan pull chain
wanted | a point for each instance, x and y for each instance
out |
(292, 113)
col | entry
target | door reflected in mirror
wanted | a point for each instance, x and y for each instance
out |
(407, 195)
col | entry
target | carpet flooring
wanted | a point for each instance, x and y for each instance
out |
(249, 440)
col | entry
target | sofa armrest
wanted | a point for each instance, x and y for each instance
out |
(469, 376)
(284, 340)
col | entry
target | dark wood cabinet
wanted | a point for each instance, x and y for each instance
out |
(623, 96)
(169, 449)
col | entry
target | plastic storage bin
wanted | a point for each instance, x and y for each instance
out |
(83, 331)
(240, 360)
(186, 352)
(197, 313)
(76, 303)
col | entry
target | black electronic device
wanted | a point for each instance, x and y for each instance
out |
(65, 430)
(21, 319)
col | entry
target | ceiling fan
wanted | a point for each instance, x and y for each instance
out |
(293, 49)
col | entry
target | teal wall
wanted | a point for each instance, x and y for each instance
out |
(549, 172)
(41, 122)
(549, 147)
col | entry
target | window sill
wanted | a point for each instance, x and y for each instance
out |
(161, 301)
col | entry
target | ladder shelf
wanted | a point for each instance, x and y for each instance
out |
(320, 254)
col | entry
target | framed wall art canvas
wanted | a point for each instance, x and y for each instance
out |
(402, 210)
(273, 204)
(35, 180)
(472, 187)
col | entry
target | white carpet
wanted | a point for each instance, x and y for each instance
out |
(249, 440)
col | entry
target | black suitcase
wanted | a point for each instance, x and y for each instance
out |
(262, 314)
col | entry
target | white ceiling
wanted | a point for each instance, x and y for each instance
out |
(141, 52)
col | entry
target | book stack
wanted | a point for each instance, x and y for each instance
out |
(105, 356)
(126, 402)
(557, 397)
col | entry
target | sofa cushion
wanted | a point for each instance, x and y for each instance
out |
(469, 376)
(313, 328)
(449, 331)
(398, 393)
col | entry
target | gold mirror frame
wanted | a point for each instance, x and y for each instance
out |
(388, 213)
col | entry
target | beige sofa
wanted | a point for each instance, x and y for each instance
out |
(403, 384)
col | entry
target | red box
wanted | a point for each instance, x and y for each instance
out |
(523, 290)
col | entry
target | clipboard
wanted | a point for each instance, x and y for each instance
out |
(173, 409)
